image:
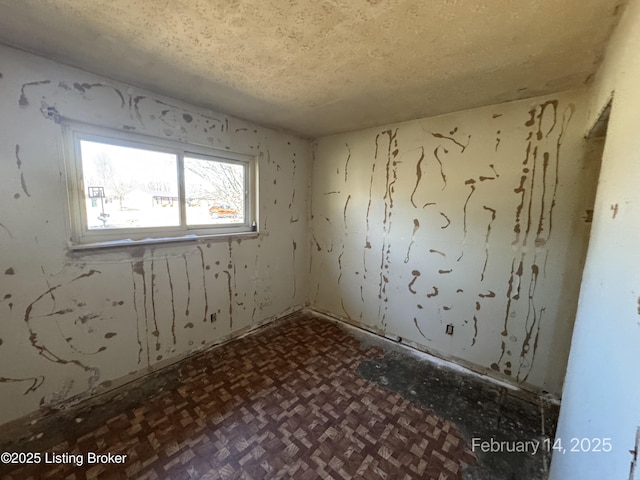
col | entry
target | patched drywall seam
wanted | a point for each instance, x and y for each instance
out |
(459, 220)
(75, 323)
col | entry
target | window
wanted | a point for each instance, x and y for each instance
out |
(126, 188)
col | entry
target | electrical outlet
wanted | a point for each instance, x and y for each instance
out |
(449, 329)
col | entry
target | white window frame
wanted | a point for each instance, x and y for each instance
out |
(83, 238)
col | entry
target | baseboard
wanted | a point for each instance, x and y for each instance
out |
(528, 391)
(20, 429)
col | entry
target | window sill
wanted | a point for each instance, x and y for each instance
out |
(155, 241)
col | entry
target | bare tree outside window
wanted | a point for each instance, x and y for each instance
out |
(107, 177)
(217, 189)
(131, 188)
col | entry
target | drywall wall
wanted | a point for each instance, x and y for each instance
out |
(476, 219)
(602, 388)
(76, 323)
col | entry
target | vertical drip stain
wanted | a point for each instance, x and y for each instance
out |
(535, 342)
(505, 330)
(565, 123)
(295, 282)
(138, 268)
(268, 162)
(442, 175)
(344, 240)
(525, 361)
(527, 153)
(543, 107)
(373, 169)
(390, 179)
(186, 269)
(519, 272)
(346, 164)
(486, 240)
(418, 177)
(545, 218)
(156, 331)
(416, 226)
(531, 193)
(135, 309)
(173, 305)
(545, 165)
(464, 209)
(517, 227)
(229, 287)
(293, 182)
(230, 290)
(496, 366)
(520, 189)
(255, 290)
(204, 284)
(18, 161)
(475, 330)
(23, 183)
(344, 213)
(382, 284)
(393, 143)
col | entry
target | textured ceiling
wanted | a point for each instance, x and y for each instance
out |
(317, 67)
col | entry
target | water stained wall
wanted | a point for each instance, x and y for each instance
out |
(477, 220)
(602, 387)
(76, 323)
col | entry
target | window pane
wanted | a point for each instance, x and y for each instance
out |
(214, 192)
(129, 187)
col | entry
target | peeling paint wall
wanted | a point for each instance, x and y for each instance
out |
(476, 219)
(75, 324)
(601, 398)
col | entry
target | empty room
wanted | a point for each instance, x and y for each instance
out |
(298, 240)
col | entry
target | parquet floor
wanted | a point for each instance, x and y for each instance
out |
(286, 402)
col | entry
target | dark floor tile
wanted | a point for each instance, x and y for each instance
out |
(303, 398)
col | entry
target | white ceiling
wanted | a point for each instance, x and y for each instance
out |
(317, 67)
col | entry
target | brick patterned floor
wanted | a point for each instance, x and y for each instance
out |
(285, 402)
